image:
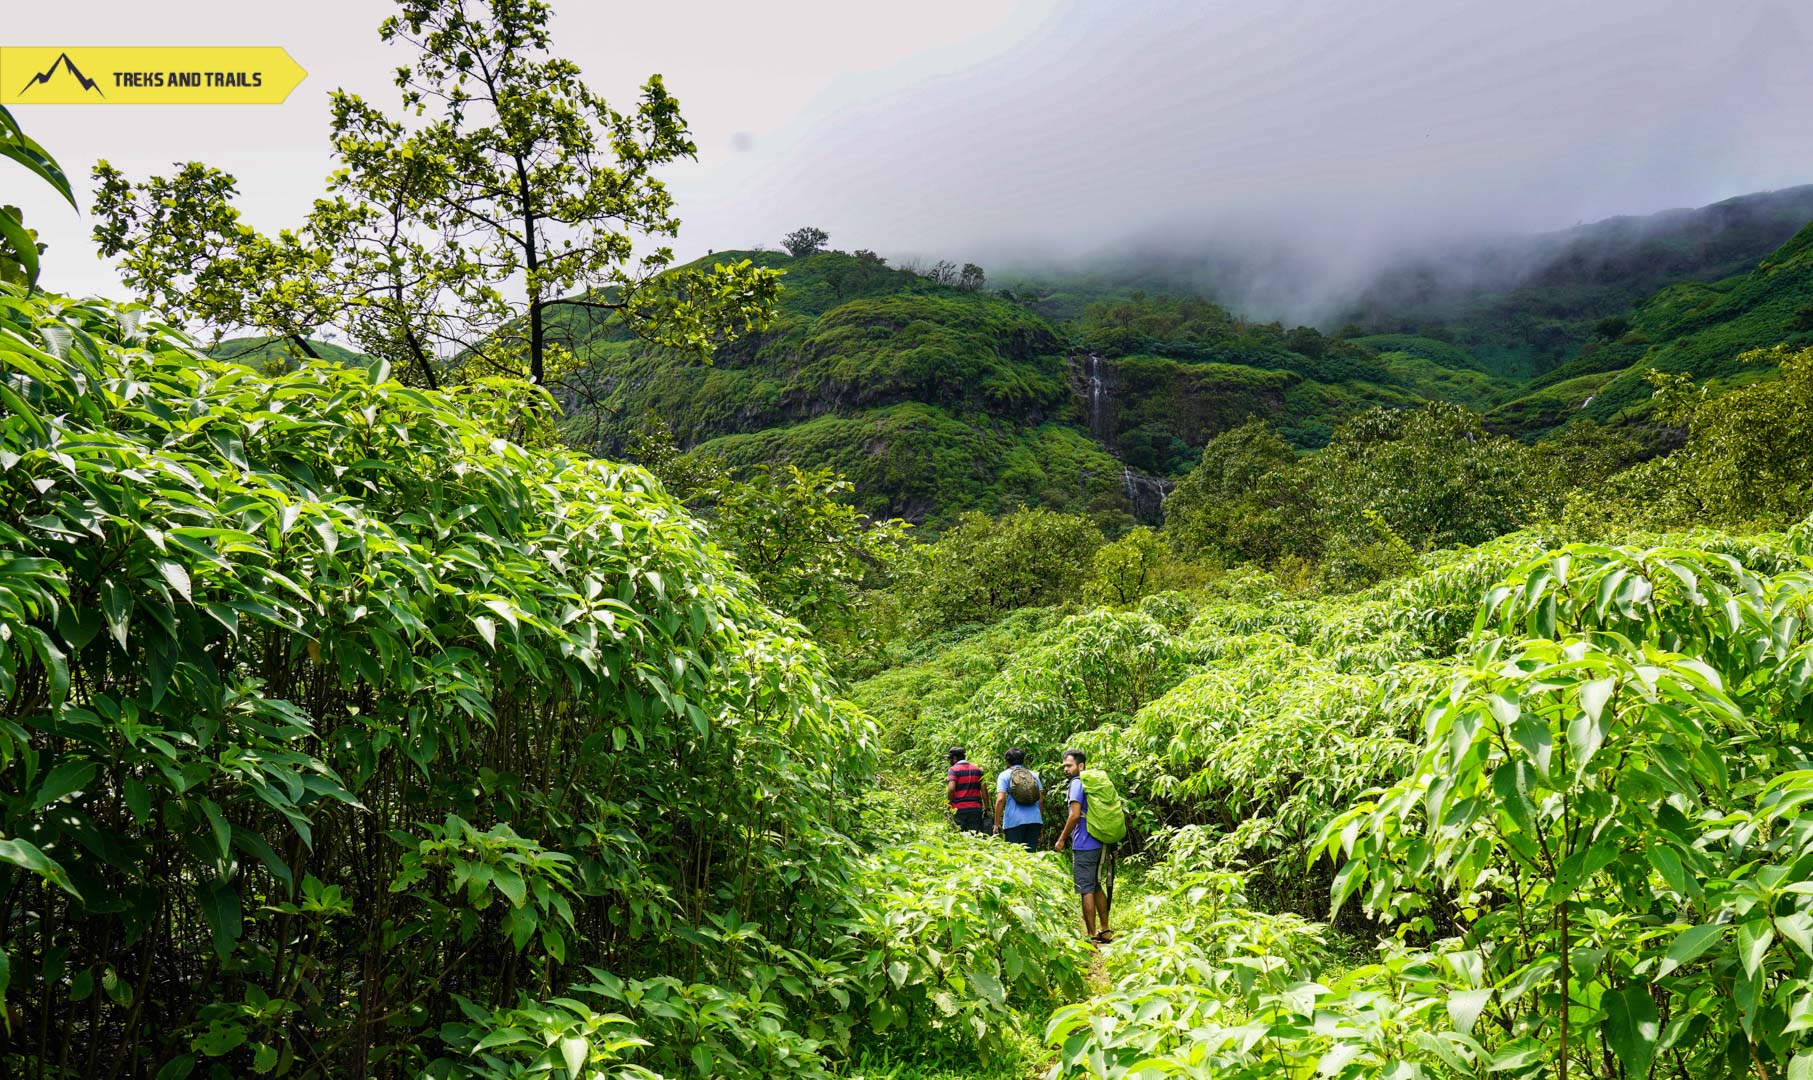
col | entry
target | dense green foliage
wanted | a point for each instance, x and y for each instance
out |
(1589, 812)
(930, 399)
(984, 567)
(276, 641)
(356, 728)
(936, 399)
(343, 735)
(1246, 501)
(1562, 780)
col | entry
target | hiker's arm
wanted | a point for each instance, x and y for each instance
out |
(1000, 809)
(950, 786)
(1076, 811)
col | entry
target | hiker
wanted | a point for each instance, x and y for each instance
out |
(963, 787)
(1085, 852)
(1018, 791)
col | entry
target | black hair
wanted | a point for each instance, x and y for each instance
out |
(955, 754)
(1015, 756)
(1078, 754)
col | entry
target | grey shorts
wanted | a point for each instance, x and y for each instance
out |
(1086, 870)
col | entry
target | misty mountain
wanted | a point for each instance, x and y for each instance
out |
(1709, 330)
(1522, 305)
(1519, 304)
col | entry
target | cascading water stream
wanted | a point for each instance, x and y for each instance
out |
(1145, 494)
(1099, 423)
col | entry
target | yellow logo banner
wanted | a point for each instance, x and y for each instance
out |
(146, 75)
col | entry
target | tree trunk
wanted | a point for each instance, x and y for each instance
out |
(301, 342)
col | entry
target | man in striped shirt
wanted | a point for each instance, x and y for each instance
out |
(963, 787)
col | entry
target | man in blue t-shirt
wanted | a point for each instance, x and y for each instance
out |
(1085, 852)
(1018, 822)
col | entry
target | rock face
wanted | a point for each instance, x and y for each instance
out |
(1094, 379)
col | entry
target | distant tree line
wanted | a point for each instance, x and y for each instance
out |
(811, 240)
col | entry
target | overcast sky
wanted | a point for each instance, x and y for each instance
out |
(1004, 132)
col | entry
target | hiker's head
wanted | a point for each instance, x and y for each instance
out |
(1073, 762)
(1015, 756)
(955, 754)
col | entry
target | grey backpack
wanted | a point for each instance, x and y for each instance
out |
(1023, 785)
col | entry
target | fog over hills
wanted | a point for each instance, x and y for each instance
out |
(1287, 158)
(1270, 277)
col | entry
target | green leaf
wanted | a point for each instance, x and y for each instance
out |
(138, 799)
(504, 1037)
(116, 606)
(177, 575)
(69, 777)
(575, 1051)
(1800, 1015)
(1688, 947)
(1801, 1068)
(510, 883)
(219, 829)
(220, 907)
(1668, 864)
(1753, 941)
(24, 853)
(1632, 1027)
(18, 146)
(1798, 928)
(1533, 735)
(17, 244)
(220, 1039)
(1518, 1054)
(990, 987)
(1464, 1007)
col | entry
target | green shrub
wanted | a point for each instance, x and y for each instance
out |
(1434, 477)
(985, 567)
(1247, 501)
(324, 703)
(967, 933)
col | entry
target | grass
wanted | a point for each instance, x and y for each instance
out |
(1020, 1061)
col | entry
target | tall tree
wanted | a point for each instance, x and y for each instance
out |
(509, 206)
(809, 240)
(543, 184)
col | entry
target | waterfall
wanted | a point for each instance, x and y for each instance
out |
(1101, 425)
(1145, 494)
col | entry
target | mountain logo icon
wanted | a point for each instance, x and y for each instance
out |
(62, 61)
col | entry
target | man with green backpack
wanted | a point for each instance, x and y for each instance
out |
(1097, 819)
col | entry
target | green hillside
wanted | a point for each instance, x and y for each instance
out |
(276, 353)
(931, 399)
(934, 400)
(1700, 329)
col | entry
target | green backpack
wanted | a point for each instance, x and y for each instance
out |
(1107, 817)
